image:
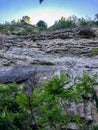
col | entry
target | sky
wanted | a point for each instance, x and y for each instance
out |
(49, 11)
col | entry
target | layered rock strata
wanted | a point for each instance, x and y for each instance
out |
(68, 50)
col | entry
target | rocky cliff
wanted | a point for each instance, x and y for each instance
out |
(68, 50)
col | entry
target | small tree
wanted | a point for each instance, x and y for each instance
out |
(26, 19)
(42, 25)
(96, 16)
(96, 19)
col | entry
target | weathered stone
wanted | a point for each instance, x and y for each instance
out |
(86, 32)
(72, 126)
(22, 73)
(82, 32)
(80, 110)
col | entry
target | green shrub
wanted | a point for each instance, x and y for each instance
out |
(96, 22)
(12, 28)
(47, 106)
(95, 127)
(62, 24)
(10, 108)
(95, 49)
(42, 25)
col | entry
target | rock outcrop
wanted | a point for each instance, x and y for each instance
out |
(68, 50)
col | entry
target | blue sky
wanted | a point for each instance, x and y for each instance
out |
(49, 10)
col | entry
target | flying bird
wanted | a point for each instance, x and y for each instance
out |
(41, 1)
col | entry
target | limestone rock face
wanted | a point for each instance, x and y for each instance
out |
(67, 50)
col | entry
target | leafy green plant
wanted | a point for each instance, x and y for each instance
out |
(95, 127)
(94, 49)
(48, 106)
(11, 115)
(53, 95)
